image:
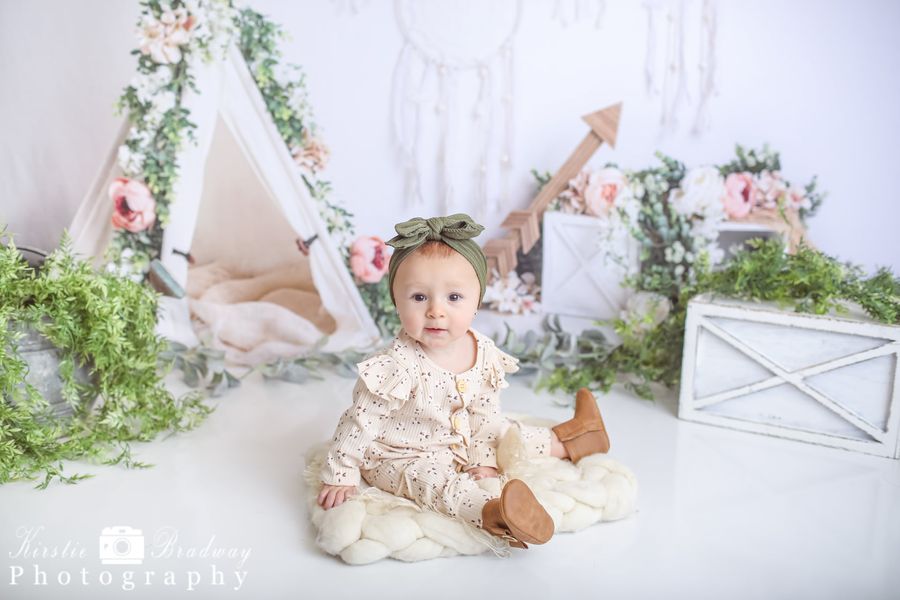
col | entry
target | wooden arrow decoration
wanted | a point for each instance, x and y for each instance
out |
(524, 225)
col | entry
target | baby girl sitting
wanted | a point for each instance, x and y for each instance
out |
(425, 419)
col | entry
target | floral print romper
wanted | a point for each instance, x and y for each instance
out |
(414, 427)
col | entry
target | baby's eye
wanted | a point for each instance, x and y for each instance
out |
(455, 297)
(419, 297)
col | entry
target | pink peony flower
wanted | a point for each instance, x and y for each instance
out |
(740, 193)
(135, 208)
(602, 189)
(369, 259)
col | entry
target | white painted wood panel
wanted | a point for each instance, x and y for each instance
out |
(826, 379)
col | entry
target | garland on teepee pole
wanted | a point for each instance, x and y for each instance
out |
(173, 36)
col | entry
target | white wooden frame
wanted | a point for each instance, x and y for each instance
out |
(703, 312)
(572, 275)
(743, 231)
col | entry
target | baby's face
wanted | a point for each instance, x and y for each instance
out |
(437, 298)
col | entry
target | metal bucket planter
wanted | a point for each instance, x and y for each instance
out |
(42, 357)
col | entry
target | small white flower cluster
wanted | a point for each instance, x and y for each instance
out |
(699, 200)
(130, 161)
(616, 235)
(148, 85)
(644, 311)
(217, 26)
(513, 294)
(124, 265)
(338, 225)
(131, 155)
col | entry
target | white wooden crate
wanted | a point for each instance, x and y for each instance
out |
(575, 278)
(735, 234)
(830, 380)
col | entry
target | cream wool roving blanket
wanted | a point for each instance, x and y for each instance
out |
(374, 524)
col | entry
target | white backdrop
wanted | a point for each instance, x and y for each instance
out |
(819, 81)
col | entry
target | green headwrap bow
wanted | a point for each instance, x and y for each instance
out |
(456, 231)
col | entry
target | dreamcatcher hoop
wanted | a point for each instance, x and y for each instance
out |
(431, 64)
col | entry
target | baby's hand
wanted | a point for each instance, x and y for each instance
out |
(334, 495)
(482, 472)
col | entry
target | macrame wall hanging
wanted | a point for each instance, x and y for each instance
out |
(452, 102)
(351, 6)
(674, 67)
(571, 11)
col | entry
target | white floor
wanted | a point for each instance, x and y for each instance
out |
(722, 514)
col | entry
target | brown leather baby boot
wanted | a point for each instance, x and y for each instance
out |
(584, 434)
(517, 516)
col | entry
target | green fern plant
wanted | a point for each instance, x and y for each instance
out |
(98, 320)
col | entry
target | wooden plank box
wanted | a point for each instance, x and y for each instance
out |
(830, 379)
(575, 279)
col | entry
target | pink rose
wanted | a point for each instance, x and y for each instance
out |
(739, 195)
(135, 208)
(602, 189)
(369, 259)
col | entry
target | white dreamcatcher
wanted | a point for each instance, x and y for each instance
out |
(351, 6)
(666, 71)
(572, 11)
(453, 92)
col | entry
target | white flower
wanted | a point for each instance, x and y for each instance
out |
(700, 194)
(146, 85)
(707, 229)
(646, 310)
(674, 253)
(143, 136)
(132, 163)
(637, 189)
(512, 294)
(164, 101)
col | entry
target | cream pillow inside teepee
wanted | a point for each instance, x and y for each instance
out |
(375, 524)
(259, 318)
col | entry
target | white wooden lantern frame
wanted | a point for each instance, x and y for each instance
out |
(575, 278)
(837, 376)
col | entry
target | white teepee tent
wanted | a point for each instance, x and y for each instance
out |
(238, 207)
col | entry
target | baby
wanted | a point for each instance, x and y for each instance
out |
(425, 419)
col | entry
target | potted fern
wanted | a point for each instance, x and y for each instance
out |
(79, 367)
